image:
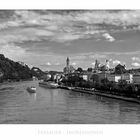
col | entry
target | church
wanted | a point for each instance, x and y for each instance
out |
(100, 67)
(69, 68)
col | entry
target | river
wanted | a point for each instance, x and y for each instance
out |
(59, 106)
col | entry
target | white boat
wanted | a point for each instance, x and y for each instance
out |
(31, 89)
(49, 84)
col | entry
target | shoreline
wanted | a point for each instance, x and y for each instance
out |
(104, 94)
(14, 81)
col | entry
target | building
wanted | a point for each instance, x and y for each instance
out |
(69, 68)
(128, 77)
(116, 77)
(113, 77)
(99, 68)
(107, 65)
(136, 79)
(87, 76)
(97, 63)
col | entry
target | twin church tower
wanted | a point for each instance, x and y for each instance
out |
(69, 68)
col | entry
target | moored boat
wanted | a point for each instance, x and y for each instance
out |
(48, 84)
(65, 87)
(31, 89)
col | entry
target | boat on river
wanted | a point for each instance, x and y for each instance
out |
(48, 84)
(65, 87)
(31, 89)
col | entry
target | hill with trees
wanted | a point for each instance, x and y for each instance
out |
(15, 71)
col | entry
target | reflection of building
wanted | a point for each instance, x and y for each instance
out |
(69, 68)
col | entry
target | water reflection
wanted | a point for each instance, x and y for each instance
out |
(61, 106)
(33, 96)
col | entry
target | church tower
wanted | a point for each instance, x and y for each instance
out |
(107, 64)
(69, 68)
(67, 62)
(96, 65)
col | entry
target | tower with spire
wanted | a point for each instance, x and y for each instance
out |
(107, 65)
(67, 62)
(69, 68)
(96, 65)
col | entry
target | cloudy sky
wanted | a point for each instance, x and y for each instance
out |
(45, 38)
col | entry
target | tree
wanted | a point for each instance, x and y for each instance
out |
(122, 83)
(120, 69)
(89, 69)
(14, 70)
(95, 78)
(79, 70)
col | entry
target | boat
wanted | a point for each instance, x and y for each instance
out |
(48, 84)
(65, 87)
(31, 89)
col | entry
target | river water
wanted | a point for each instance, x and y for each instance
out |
(58, 106)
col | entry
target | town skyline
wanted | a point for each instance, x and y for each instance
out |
(45, 38)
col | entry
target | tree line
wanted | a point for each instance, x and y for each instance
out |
(15, 71)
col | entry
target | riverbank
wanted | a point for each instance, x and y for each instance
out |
(108, 94)
(65, 87)
(14, 81)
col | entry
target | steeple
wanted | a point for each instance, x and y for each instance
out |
(107, 64)
(67, 62)
(96, 65)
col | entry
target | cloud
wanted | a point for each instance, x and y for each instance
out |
(97, 55)
(108, 37)
(50, 27)
(136, 58)
(122, 53)
(39, 32)
(13, 52)
(63, 26)
(93, 63)
(23, 35)
(74, 63)
(115, 62)
(119, 18)
(48, 64)
(79, 57)
(67, 37)
(57, 64)
(52, 63)
(90, 55)
(135, 64)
